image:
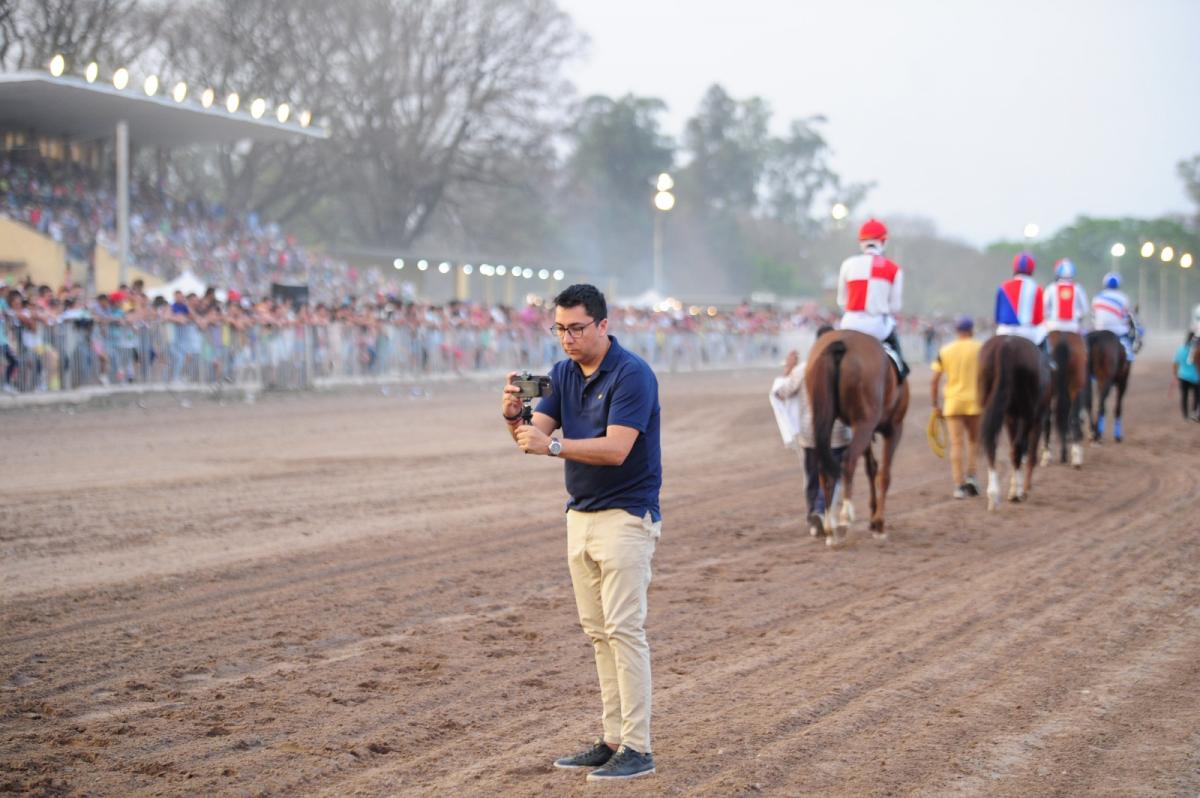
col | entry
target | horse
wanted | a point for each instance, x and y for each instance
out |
(1015, 386)
(1068, 393)
(1108, 367)
(850, 377)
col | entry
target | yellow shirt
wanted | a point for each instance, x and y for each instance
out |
(959, 361)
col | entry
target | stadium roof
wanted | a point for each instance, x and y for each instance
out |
(72, 107)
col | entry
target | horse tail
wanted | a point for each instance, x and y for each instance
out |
(826, 412)
(996, 399)
(1062, 377)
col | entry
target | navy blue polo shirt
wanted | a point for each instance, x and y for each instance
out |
(623, 391)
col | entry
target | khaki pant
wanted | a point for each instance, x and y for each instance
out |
(964, 440)
(609, 553)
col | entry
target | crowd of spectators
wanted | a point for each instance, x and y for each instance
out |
(76, 207)
(61, 339)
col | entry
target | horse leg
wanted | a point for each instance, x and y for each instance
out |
(1075, 427)
(859, 443)
(872, 467)
(890, 442)
(1048, 437)
(1016, 445)
(1031, 444)
(1102, 400)
(1122, 384)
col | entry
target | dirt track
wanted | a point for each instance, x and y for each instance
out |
(367, 594)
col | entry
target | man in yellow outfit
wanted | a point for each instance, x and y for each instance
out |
(959, 362)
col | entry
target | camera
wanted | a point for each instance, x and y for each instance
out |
(532, 386)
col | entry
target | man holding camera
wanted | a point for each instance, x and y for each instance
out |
(605, 400)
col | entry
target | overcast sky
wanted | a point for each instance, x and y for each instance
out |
(981, 115)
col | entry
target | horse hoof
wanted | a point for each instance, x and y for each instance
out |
(1118, 440)
(880, 537)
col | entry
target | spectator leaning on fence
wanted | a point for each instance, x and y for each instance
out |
(1186, 368)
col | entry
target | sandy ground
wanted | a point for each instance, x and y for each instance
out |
(366, 594)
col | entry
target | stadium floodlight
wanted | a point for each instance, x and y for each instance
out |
(487, 270)
(1118, 249)
(206, 99)
(398, 263)
(543, 274)
(839, 211)
(664, 201)
(1147, 249)
(664, 182)
(232, 102)
(92, 72)
(179, 93)
(258, 107)
(150, 86)
(558, 274)
(305, 118)
(1031, 231)
(121, 79)
(500, 270)
(283, 112)
(422, 265)
(1185, 260)
(527, 273)
(468, 268)
(1167, 254)
(58, 65)
(444, 267)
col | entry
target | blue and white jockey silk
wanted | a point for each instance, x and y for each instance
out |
(1110, 311)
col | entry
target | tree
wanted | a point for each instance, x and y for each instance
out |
(1189, 172)
(113, 31)
(617, 150)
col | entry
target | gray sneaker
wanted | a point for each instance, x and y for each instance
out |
(593, 757)
(625, 764)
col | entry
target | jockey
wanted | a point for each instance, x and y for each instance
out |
(869, 288)
(1019, 305)
(1066, 302)
(1110, 311)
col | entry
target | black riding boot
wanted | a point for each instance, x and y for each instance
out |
(1047, 358)
(893, 341)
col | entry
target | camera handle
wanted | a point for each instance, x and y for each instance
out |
(527, 411)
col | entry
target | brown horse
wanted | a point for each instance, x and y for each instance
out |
(1108, 367)
(1070, 380)
(1015, 386)
(849, 377)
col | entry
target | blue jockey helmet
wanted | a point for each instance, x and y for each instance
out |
(1112, 280)
(1064, 270)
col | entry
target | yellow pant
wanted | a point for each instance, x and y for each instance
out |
(964, 440)
(609, 553)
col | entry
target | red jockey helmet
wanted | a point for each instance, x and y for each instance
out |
(872, 230)
(1023, 263)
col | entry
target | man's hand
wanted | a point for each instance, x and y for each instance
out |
(532, 440)
(510, 403)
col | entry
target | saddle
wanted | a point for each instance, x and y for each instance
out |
(894, 356)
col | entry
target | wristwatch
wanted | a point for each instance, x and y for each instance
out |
(555, 447)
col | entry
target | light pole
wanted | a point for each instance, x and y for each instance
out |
(1031, 233)
(1167, 255)
(664, 201)
(1117, 252)
(839, 212)
(1147, 253)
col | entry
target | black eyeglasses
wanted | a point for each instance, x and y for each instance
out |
(572, 331)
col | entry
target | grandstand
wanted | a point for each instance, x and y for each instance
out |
(89, 125)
